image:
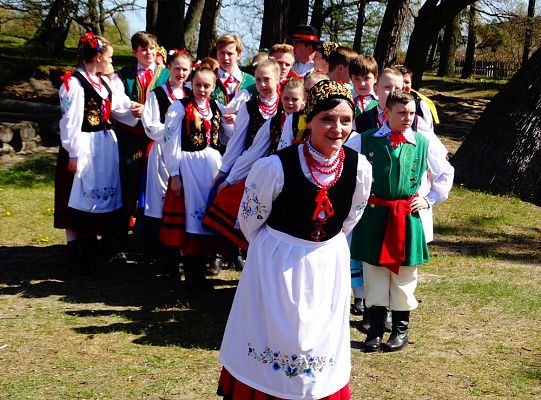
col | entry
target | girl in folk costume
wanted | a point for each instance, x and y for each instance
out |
(153, 119)
(192, 159)
(287, 335)
(88, 197)
(222, 213)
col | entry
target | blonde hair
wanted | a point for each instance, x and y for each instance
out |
(271, 63)
(294, 83)
(281, 48)
(224, 40)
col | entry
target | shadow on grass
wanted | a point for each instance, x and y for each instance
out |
(31, 172)
(150, 305)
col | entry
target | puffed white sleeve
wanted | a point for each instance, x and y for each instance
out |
(263, 185)
(354, 141)
(151, 119)
(72, 104)
(258, 149)
(172, 150)
(360, 195)
(440, 172)
(235, 146)
(121, 104)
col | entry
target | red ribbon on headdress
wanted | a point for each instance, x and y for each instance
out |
(184, 50)
(90, 37)
(65, 78)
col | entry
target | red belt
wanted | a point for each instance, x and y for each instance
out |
(393, 250)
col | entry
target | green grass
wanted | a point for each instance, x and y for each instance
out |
(474, 88)
(126, 333)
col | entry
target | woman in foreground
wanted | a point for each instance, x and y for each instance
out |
(287, 336)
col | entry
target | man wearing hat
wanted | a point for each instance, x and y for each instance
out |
(305, 43)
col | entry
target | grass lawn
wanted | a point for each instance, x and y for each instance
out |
(128, 333)
(476, 87)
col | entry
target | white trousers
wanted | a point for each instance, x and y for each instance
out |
(384, 288)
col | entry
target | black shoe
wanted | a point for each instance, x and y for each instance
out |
(357, 308)
(215, 266)
(169, 260)
(389, 321)
(194, 273)
(376, 316)
(399, 333)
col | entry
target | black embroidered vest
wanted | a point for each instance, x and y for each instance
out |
(275, 131)
(194, 138)
(293, 208)
(163, 100)
(93, 118)
(256, 121)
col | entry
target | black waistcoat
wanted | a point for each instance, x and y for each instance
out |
(194, 138)
(93, 118)
(163, 100)
(256, 121)
(293, 208)
(367, 120)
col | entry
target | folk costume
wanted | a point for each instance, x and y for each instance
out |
(222, 212)
(288, 330)
(306, 34)
(392, 244)
(133, 144)
(364, 103)
(89, 200)
(191, 151)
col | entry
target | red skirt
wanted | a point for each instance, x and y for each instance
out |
(173, 229)
(232, 389)
(221, 215)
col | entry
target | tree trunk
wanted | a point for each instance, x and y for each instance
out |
(469, 59)
(191, 23)
(170, 24)
(152, 16)
(317, 16)
(208, 24)
(448, 48)
(502, 154)
(359, 27)
(528, 33)
(52, 33)
(431, 18)
(274, 27)
(434, 47)
(298, 14)
(390, 32)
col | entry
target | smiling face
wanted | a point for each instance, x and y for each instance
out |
(203, 83)
(266, 82)
(104, 60)
(331, 128)
(179, 70)
(146, 56)
(400, 116)
(228, 57)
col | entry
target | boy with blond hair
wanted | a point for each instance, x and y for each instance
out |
(285, 57)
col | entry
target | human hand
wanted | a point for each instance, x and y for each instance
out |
(72, 165)
(137, 109)
(176, 185)
(418, 203)
(218, 177)
(230, 118)
(222, 186)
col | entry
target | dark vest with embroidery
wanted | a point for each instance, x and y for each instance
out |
(93, 119)
(275, 131)
(163, 100)
(293, 208)
(194, 138)
(256, 122)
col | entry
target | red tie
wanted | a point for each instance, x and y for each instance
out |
(396, 138)
(148, 76)
(360, 99)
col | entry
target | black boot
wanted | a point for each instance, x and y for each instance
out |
(399, 333)
(357, 308)
(376, 315)
(194, 272)
(170, 260)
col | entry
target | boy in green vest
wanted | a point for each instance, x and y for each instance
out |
(389, 239)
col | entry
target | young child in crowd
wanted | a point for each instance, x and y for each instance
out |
(389, 80)
(391, 245)
(321, 58)
(339, 60)
(192, 159)
(139, 80)
(179, 64)
(363, 71)
(88, 197)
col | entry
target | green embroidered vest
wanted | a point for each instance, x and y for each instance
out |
(248, 83)
(396, 174)
(132, 86)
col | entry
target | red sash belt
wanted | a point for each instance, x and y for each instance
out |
(393, 250)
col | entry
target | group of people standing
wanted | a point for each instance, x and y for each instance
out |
(322, 167)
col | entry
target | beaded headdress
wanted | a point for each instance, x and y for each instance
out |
(324, 91)
(327, 48)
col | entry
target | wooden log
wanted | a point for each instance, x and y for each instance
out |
(6, 134)
(6, 149)
(18, 106)
(24, 137)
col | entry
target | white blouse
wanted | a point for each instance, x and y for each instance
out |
(154, 128)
